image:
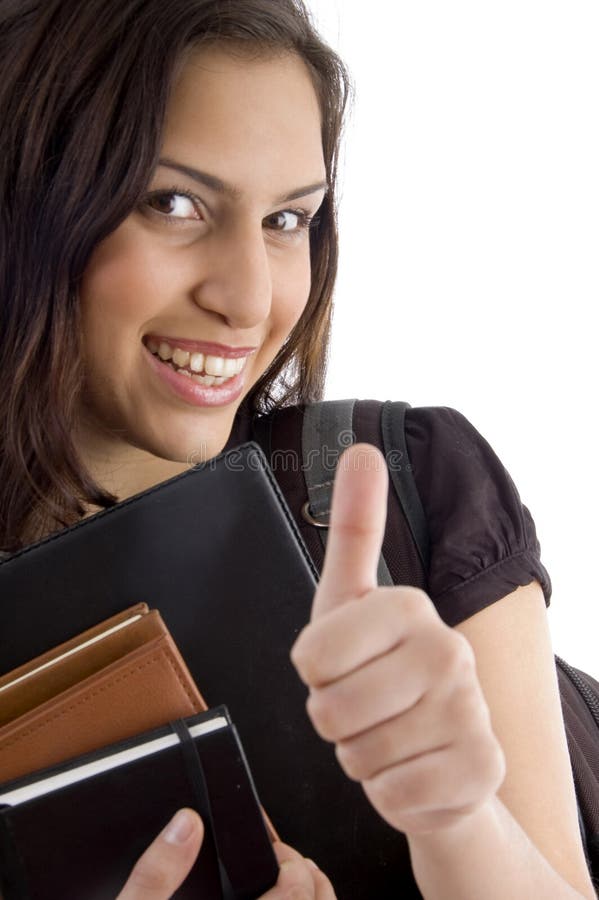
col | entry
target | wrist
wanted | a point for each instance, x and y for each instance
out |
(461, 832)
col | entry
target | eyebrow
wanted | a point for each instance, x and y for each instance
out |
(221, 187)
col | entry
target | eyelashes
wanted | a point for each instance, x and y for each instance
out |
(305, 221)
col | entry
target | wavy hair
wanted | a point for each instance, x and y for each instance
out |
(84, 88)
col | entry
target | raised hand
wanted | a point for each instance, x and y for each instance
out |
(390, 684)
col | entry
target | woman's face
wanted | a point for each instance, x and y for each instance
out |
(200, 263)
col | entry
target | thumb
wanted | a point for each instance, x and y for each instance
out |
(356, 528)
(167, 861)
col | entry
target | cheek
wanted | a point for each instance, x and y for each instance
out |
(121, 286)
(291, 298)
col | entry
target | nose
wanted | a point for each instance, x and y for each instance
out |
(235, 280)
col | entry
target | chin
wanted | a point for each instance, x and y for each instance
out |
(189, 449)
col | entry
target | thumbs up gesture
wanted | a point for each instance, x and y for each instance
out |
(390, 684)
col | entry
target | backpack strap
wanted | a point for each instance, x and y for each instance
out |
(393, 417)
(327, 430)
(328, 425)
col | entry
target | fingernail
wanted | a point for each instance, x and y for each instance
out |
(179, 828)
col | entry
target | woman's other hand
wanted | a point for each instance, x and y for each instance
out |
(390, 684)
(168, 860)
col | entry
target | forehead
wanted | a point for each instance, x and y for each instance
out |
(245, 117)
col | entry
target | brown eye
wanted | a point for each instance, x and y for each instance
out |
(282, 224)
(162, 203)
(172, 205)
(297, 220)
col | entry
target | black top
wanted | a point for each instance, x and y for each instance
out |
(483, 542)
(483, 538)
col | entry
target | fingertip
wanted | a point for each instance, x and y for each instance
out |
(185, 825)
(363, 456)
(163, 867)
(285, 853)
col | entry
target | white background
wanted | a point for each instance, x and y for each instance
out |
(469, 244)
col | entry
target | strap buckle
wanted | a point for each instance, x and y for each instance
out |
(307, 515)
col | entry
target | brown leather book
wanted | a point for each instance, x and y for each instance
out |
(112, 682)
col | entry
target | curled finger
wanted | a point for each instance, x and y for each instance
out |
(299, 878)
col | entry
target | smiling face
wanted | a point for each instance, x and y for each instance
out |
(223, 260)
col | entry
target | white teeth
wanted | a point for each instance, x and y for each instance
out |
(217, 368)
(196, 362)
(181, 358)
(214, 365)
(230, 368)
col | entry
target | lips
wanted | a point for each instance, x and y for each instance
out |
(193, 393)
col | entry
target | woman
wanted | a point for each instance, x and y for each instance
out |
(168, 203)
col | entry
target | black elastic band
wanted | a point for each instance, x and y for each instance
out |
(199, 785)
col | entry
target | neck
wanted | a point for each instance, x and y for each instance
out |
(123, 469)
(118, 467)
(133, 476)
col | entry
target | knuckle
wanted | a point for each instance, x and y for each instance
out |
(304, 658)
(413, 602)
(379, 793)
(354, 528)
(350, 761)
(456, 656)
(394, 791)
(466, 709)
(415, 790)
(487, 760)
(499, 767)
(297, 650)
(322, 714)
(388, 742)
(466, 810)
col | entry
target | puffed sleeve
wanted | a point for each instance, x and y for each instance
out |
(483, 541)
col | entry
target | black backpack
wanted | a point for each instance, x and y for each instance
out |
(329, 424)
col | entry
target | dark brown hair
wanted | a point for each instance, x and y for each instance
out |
(84, 86)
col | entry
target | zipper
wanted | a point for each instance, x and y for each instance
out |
(588, 695)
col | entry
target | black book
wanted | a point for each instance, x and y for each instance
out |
(75, 831)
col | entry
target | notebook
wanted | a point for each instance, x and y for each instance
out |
(112, 682)
(75, 831)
